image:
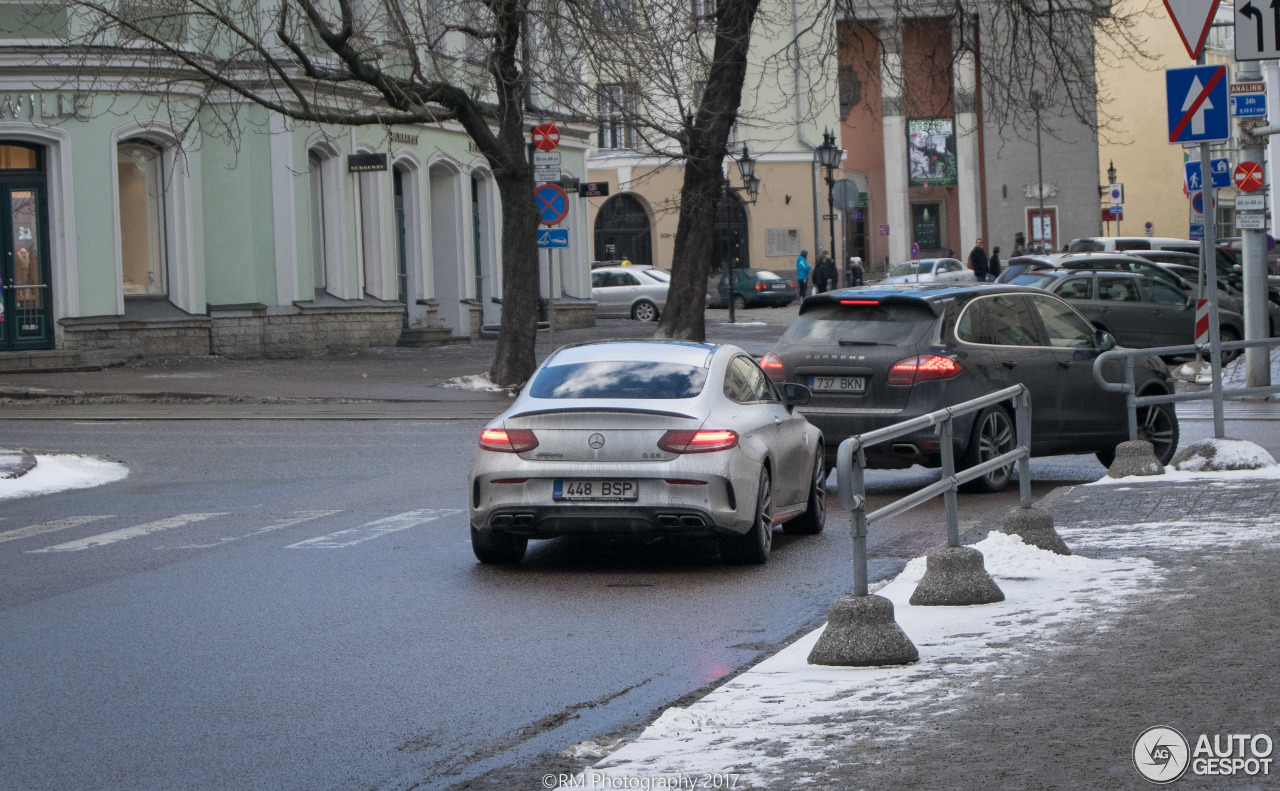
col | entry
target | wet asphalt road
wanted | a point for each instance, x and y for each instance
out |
(284, 642)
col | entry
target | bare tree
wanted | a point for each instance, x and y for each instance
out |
(349, 63)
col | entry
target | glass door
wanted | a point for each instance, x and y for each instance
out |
(27, 304)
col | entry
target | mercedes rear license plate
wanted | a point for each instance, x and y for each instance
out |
(838, 384)
(595, 490)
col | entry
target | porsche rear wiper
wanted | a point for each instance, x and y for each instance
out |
(863, 343)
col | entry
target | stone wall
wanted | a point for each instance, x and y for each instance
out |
(110, 340)
(573, 315)
(300, 330)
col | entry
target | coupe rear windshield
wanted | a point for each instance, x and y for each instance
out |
(910, 269)
(619, 379)
(859, 325)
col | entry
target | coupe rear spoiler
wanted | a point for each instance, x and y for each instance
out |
(607, 409)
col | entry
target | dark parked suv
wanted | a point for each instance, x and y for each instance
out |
(877, 355)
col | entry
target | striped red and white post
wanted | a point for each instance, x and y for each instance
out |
(1202, 322)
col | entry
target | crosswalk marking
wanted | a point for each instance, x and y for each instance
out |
(126, 533)
(49, 527)
(303, 516)
(381, 527)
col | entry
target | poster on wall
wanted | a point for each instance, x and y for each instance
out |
(931, 152)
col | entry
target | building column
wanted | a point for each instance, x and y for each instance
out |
(897, 206)
(969, 184)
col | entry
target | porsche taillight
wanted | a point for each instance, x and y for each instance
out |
(508, 440)
(701, 441)
(772, 366)
(922, 368)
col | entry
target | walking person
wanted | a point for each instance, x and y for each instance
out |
(993, 266)
(856, 273)
(824, 274)
(1019, 244)
(978, 261)
(802, 273)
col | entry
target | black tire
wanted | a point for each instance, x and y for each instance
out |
(993, 434)
(754, 546)
(491, 546)
(814, 517)
(1106, 457)
(1158, 424)
(739, 302)
(1226, 335)
(644, 310)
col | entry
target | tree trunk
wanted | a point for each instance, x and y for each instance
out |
(700, 194)
(514, 360)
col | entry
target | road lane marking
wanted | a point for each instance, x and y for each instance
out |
(345, 538)
(126, 533)
(303, 516)
(49, 527)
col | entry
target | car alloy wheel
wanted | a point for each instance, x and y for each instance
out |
(1158, 425)
(644, 311)
(754, 546)
(739, 302)
(815, 516)
(993, 436)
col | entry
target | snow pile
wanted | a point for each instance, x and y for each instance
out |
(1174, 476)
(785, 709)
(61, 473)
(1222, 454)
(473, 382)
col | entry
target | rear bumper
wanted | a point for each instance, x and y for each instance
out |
(921, 447)
(562, 520)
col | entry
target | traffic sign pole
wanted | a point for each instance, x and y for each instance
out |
(1209, 279)
(1253, 245)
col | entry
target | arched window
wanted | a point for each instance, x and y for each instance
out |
(319, 247)
(141, 184)
(623, 231)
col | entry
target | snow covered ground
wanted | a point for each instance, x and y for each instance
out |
(60, 473)
(785, 710)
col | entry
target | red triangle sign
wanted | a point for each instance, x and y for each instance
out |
(1192, 18)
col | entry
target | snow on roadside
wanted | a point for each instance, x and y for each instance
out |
(473, 382)
(1186, 476)
(785, 709)
(61, 473)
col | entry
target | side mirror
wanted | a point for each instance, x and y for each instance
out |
(1104, 341)
(795, 394)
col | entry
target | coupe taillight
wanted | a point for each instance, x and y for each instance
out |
(702, 441)
(508, 440)
(772, 366)
(922, 368)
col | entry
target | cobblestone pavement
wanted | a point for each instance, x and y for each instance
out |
(1197, 655)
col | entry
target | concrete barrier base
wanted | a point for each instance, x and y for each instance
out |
(955, 576)
(1035, 528)
(1135, 457)
(861, 632)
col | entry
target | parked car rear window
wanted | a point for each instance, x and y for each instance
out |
(901, 270)
(764, 274)
(619, 379)
(1035, 281)
(859, 324)
(659, 274)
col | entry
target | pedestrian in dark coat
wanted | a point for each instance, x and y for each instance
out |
(824, 274)
(993, 266)
(978, 261)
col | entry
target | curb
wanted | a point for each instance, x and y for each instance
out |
(15, 463)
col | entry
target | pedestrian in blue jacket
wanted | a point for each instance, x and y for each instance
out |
(802, 273)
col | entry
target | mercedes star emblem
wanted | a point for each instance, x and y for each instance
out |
(596, 441)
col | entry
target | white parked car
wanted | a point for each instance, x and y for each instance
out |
(630, 291)
(930, 270)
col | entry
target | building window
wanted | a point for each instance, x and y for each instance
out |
(143, 244)
(704, 13)
(616, 12)
(319, 248)
(616, 105)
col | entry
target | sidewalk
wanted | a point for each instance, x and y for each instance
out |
(1165, 616)
(403, 375)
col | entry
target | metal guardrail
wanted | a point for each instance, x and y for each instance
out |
(1133, 400)
(851, 463)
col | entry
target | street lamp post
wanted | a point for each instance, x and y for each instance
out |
(751, 186)
(1111, 179)
(829, 156)
(1037, 104)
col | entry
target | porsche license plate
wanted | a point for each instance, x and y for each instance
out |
(589, 489)
(838, 384)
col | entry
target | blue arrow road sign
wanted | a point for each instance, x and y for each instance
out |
(553, 237)
(1221, 174)
(1197, 104)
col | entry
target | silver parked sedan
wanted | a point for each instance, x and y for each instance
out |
(659, 437)
(630, 291)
